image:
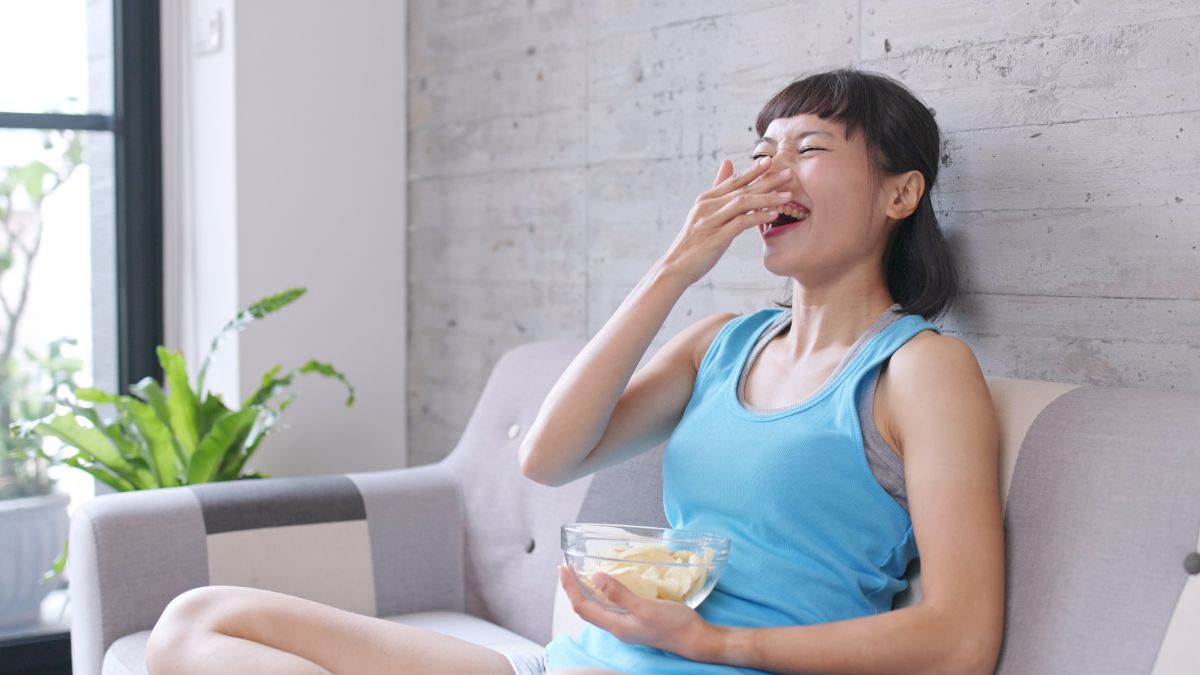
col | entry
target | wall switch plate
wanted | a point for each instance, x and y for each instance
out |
(206, 34)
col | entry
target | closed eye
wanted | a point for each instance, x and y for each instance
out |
(799, 152)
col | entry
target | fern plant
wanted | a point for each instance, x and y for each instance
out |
(174, 434)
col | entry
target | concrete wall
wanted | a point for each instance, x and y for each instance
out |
(555, 148)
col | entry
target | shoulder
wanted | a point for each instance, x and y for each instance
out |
(700, 334)
(930, 356)
(696, 338)
(934, 378)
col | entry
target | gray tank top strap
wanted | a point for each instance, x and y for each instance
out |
(887, 466)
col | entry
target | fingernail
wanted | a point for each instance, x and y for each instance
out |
(762, 161)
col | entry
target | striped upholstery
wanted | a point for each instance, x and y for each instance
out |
(1102, 506)
(347, 541)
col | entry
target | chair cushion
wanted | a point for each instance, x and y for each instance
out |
(127, 656)
(471, 629)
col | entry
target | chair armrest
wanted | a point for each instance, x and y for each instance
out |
(380, 543)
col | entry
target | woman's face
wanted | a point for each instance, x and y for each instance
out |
(847, 222)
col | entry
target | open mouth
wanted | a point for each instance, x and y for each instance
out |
(783, 219)
(788, 214)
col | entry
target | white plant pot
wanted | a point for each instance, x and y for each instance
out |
(32, 532)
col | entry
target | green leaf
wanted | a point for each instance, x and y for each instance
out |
(266, 387)
(328, 370)
(32, 177)
(142, 467)
(270, 383)
(113, 431)
(212, 409)
(89, 414)
(181, 402)
(60, 563)
(129, 449)
(265, 306)
(264, 426)
(149, 391)
(115, 482)
(283, 405)
(74, 152)
(89, 440)
(160, 441)
(97, 446)
(218, 443)
(93, 395)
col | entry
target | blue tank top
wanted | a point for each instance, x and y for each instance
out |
(815, 537)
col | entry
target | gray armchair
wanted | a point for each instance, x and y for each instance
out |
(1102, 524)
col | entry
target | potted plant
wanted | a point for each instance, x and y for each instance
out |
(33, 515)
(174, 433)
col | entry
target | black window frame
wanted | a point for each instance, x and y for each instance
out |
(136, 125)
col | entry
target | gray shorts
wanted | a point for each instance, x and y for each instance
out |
(527, 664)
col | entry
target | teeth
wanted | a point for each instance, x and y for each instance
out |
(797, 213)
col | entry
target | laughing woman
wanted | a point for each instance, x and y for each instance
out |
(833, 440)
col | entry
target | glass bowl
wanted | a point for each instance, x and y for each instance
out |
(653, 562)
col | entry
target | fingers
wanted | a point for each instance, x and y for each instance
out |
(613, 590)
(746, 221)
(768, 182)
(571, 586)
(751, 204)
(736, 181)
(589, 610)
(724, 172)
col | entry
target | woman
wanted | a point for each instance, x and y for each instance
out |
(808, 435)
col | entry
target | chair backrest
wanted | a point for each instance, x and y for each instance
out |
(512, 542)
(1101, 488)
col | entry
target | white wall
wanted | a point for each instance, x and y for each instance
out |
(292, 138)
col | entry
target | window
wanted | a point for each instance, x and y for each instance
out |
(80, 248)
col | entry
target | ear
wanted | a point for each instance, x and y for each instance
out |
(905, 192)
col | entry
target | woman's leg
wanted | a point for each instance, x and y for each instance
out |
(230, 629)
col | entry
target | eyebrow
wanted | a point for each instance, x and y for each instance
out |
(801, 136)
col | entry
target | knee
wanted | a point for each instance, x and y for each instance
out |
(185, 618)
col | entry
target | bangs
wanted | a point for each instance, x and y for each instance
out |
(831, 96)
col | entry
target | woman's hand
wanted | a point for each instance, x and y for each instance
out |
(662, 624)
(731, 207)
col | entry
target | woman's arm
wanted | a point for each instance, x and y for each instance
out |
(591, 419)
(944, 421)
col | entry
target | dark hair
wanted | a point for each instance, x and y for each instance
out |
(901, 135)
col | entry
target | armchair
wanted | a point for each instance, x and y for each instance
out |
(1102, 517)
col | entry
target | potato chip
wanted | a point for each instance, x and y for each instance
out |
(643, 573)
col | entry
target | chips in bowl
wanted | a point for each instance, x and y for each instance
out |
(652, 562)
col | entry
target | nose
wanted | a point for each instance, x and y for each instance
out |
(777, 168)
